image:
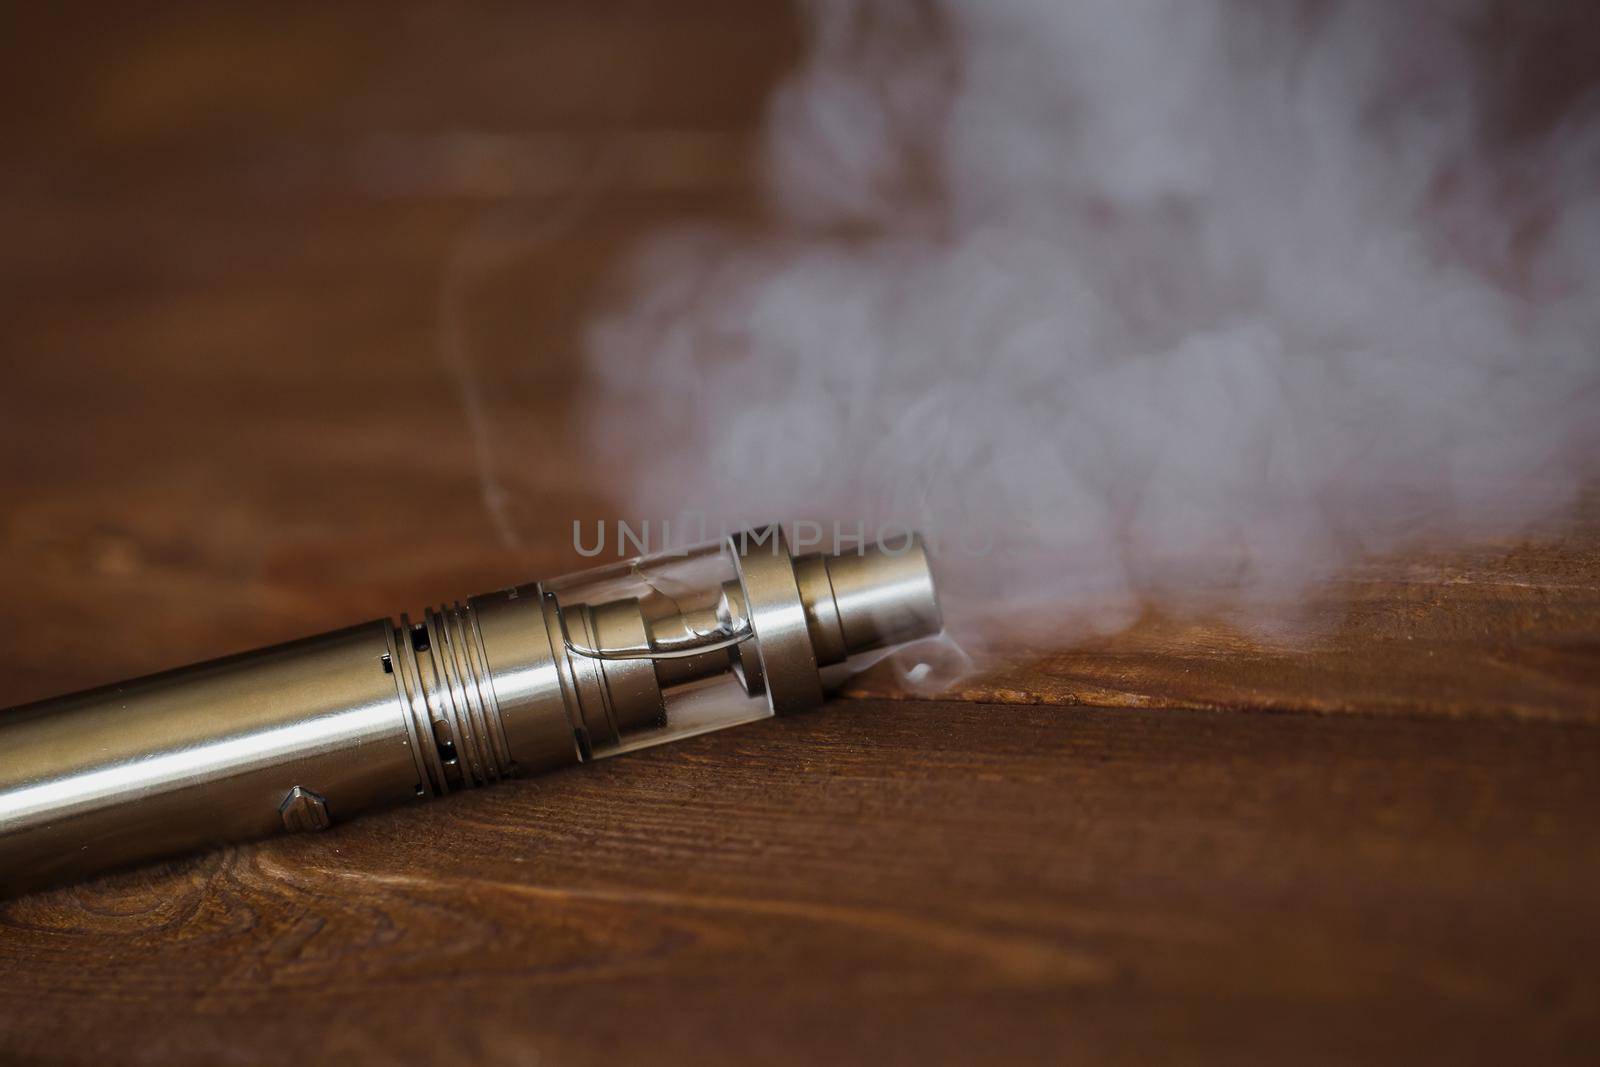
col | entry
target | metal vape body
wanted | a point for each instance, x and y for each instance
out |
(515, 682)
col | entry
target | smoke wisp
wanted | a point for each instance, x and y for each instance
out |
(1177, 301)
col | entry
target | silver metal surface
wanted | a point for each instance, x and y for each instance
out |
(304, 734)
(884, 595)
(200, 756)
(304, 810)
(778, 618)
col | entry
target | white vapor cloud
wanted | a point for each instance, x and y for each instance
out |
(1179, 301)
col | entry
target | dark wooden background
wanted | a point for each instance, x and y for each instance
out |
(260, 262)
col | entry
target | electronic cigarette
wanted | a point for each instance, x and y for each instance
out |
(516, 682)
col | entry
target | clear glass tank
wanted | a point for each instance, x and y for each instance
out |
(667, 646)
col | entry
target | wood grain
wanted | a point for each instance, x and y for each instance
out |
(289, 315)
(904, 882)
(1498, 628)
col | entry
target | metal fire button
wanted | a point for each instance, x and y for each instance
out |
(304, 810)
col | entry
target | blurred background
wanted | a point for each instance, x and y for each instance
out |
(288, 290)
(315, 312)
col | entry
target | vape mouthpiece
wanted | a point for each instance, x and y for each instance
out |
(525, 680)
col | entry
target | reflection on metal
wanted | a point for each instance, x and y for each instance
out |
(508, 683)
(304, 810)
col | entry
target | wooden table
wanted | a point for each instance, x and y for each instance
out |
(255, 259)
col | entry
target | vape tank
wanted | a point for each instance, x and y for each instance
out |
(516, 682)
